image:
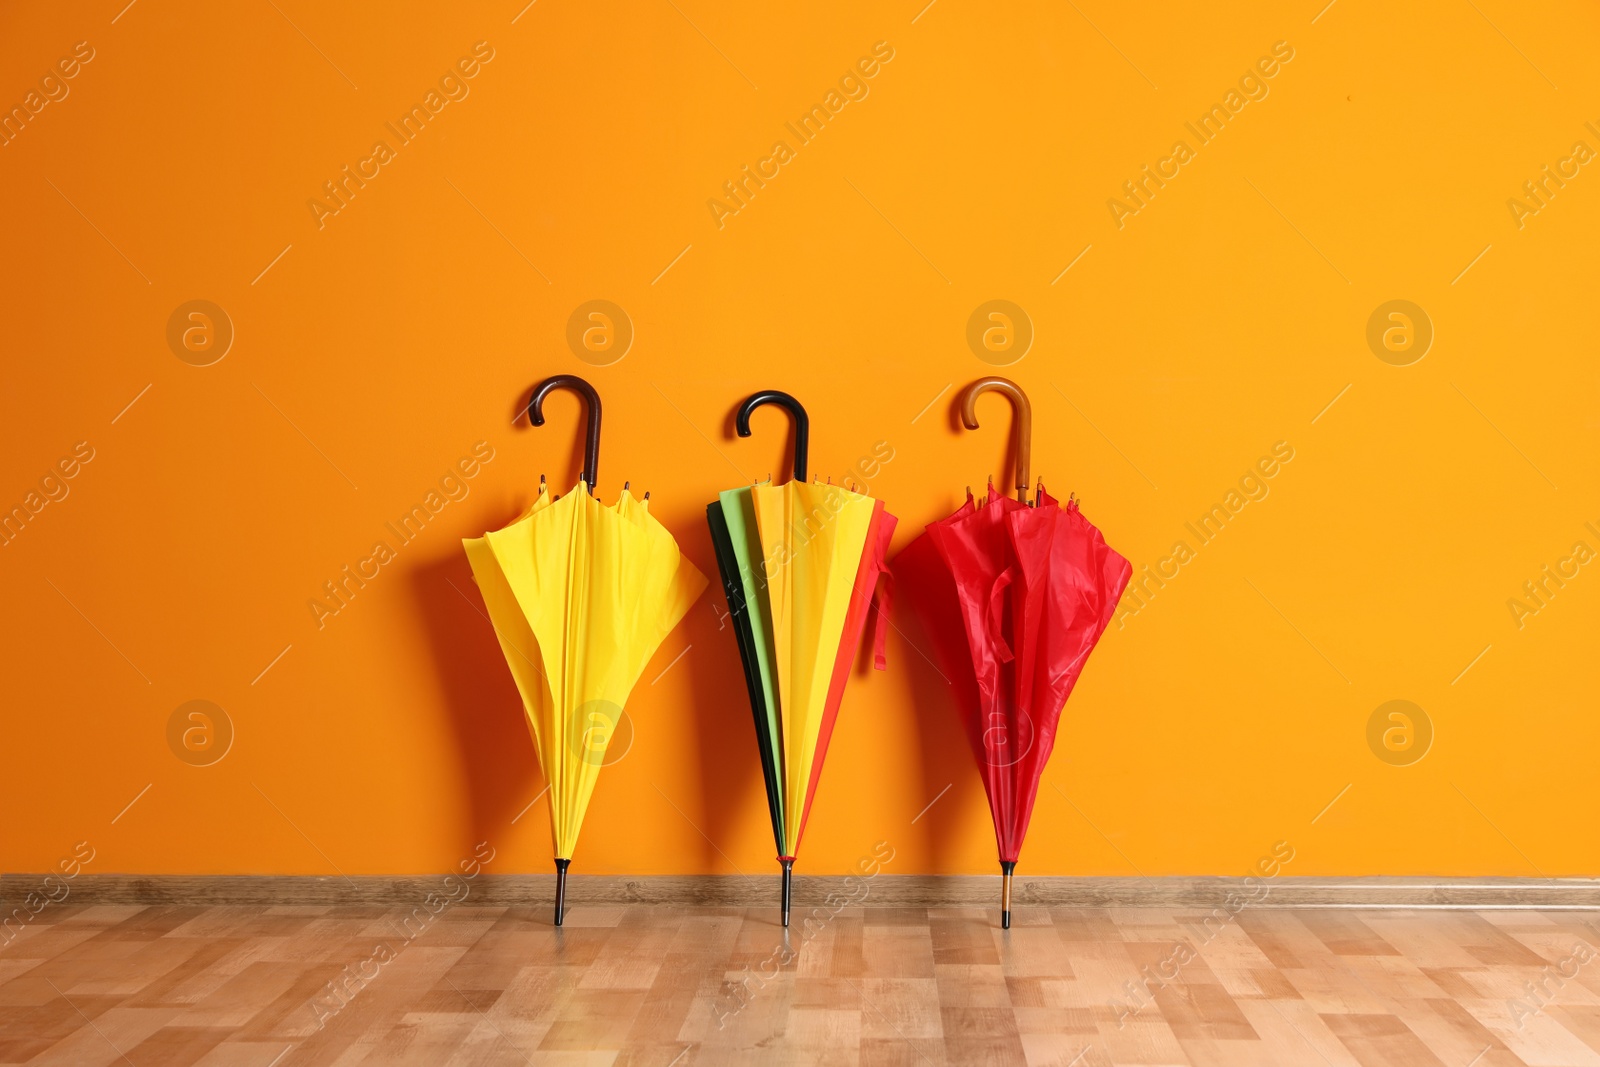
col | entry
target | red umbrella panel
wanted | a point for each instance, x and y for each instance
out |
(1014, 596)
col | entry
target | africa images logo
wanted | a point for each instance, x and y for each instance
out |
(452, 87)
(853, 86)
(1207, 128)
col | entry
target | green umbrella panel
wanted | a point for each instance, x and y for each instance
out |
(738, 550)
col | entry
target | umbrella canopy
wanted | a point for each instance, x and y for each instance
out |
(1014, 594)
(800, 564)
(581, 595)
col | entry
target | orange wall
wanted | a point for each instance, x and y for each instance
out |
(1186, 340)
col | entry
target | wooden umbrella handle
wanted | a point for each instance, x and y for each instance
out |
(1021, 422)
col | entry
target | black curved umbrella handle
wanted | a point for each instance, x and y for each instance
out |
(802, 423)
(591, 451)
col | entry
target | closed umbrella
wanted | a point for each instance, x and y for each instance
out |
(800, 564)
(581, 594)
(1015, 594)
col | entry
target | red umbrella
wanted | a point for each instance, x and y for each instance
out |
(1014, 594)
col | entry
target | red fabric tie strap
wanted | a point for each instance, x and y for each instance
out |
(882, 602)
(996, 607)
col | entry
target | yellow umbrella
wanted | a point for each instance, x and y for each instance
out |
(581, 595)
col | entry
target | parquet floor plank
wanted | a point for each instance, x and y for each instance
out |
(664, 986)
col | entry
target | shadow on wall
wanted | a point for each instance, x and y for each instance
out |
(498, 761)
(729, 775)
(944, 754)
(499, 765)
(730, 782)
(495, 747)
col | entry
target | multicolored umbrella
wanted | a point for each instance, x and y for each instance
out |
(581, 595)
(1015, 595)
(800, 564)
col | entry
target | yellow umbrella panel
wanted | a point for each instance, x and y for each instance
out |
(813, 538)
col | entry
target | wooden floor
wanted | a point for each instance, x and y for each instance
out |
(677, 987)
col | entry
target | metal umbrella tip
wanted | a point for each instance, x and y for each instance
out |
(788, 889)
(561, 889)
